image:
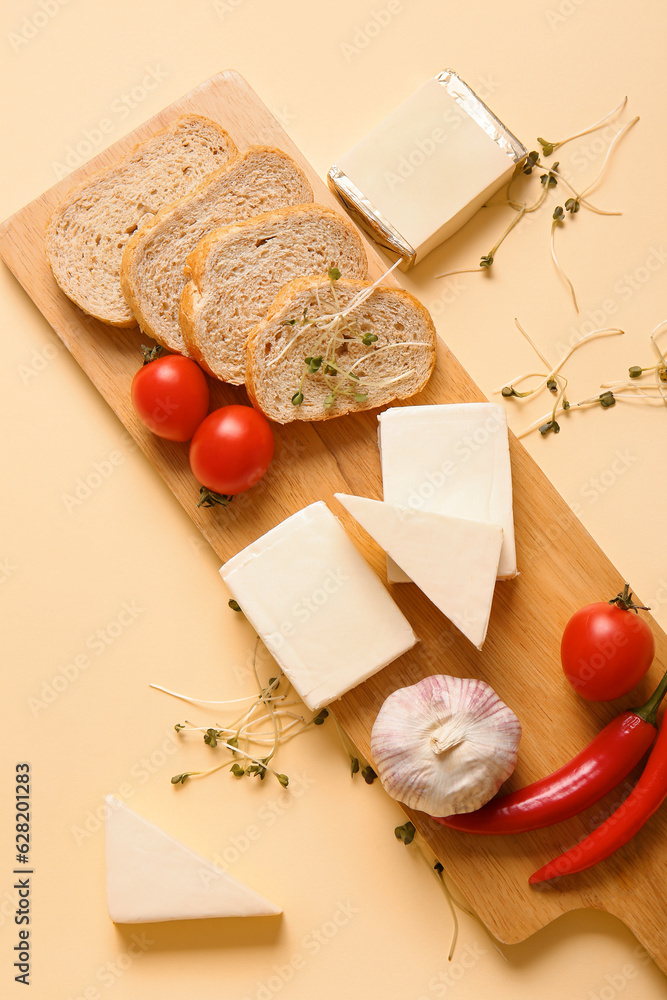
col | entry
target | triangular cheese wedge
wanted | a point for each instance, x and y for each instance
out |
(453, 560)
(153, 877)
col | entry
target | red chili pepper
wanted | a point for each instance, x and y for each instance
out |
(580, 783)
(643, 801)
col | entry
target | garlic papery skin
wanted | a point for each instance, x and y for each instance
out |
(444, 745)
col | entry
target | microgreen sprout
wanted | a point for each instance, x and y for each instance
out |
(545, 379)
(531, 161)
(548, 148)
(550, 179)
(234, 605)
(357, 763)
(339, 335)
(243, 736)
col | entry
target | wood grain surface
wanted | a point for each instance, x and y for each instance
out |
(561, 568)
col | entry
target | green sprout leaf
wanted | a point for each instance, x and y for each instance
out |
(319, 719)
(360, 397)
(334, 273)
(368, 339)
(486, 260)
(368, 774)
(559, 214)
(406, 833)
(328, 402)
(551, 425)
(283, 779)
(547, 147)
(607, 399)
(313, 364)
(354, 765)
(532, 160)
(234, 605)
(552, 385)
(237, 770)
(179, 726)
(635, 371)
(572, 205)
(297, 398)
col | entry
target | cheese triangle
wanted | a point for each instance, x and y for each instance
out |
(151, 876)
(453, 560)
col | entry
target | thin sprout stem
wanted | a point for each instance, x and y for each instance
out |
(464, 270)
(562, 409)
(593, 335)
(205, 701)
(532, 343)
(584, 201)
(560, 270)
(592, 128)
(619, 135)
(515, 221)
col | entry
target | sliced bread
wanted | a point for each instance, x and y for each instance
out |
(258, 180)
(236, 272)
(89, 229)
(327, 348)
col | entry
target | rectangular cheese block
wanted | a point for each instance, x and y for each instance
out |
(317, 605)
(454, 459)
(427, 168)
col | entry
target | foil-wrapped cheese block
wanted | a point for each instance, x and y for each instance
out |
(427, 168)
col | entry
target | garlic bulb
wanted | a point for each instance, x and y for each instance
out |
(444, 745)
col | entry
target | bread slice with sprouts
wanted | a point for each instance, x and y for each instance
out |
(235, 273)
(330, 346)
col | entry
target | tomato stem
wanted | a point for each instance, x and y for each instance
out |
(209, 498)
(152, 353)
(625, 602)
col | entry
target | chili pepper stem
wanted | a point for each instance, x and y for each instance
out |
(649, 711)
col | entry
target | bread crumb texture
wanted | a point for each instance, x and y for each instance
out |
(152, 274)
(237, 271)
(88, 231)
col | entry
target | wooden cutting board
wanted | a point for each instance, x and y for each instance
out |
(561, 569)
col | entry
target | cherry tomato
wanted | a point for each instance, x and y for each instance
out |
(170, 396)
(232, 449)
(606, 649)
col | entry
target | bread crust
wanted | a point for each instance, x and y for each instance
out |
(79, 190)
(284, 299)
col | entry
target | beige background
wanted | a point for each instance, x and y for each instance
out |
(363, 915)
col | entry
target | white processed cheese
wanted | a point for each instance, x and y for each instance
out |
(450, 458)
(426, 169)
(152, 877)
(453, 560)
(317, 605)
